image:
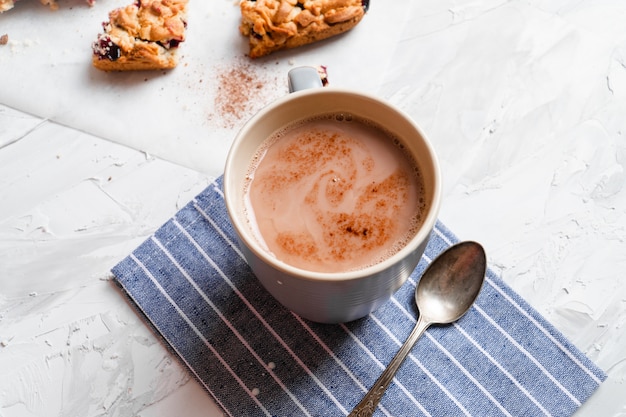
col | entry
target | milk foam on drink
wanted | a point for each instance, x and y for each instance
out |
(333, 194)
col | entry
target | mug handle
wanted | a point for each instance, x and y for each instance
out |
(302, 78)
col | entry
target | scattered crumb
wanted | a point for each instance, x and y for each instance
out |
(4, 39)
(271, 365)
(323, 73)
(255, 392)
(18, 46)
(52, 3)
(8, 4)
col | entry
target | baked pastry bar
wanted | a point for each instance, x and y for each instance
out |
(271, 25)
(142, 36)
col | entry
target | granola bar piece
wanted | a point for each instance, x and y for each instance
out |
(142, 36)
(271, 25)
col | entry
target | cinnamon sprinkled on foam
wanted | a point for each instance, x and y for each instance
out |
(334, 195)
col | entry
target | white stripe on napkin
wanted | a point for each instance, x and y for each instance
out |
(200, 336)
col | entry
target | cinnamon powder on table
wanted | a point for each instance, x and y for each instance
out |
(242, 89)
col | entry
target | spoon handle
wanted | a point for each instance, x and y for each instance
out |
(369, 403)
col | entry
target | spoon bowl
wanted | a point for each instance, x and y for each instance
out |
(451, 283)
(448, 288)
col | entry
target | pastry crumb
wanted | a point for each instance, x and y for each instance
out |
(6, 5)
(4, 39)
(9, 4)
(323, 73)
(51, 3)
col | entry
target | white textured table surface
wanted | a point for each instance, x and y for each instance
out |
(525, 104)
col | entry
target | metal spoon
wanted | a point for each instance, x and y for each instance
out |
(447, 289)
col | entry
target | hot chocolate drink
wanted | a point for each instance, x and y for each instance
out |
(334, 193)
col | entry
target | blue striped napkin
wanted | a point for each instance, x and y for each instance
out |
(258, 359)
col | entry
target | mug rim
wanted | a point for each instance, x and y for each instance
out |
(251, 242)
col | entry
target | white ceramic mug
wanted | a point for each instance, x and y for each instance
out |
(341, 296)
